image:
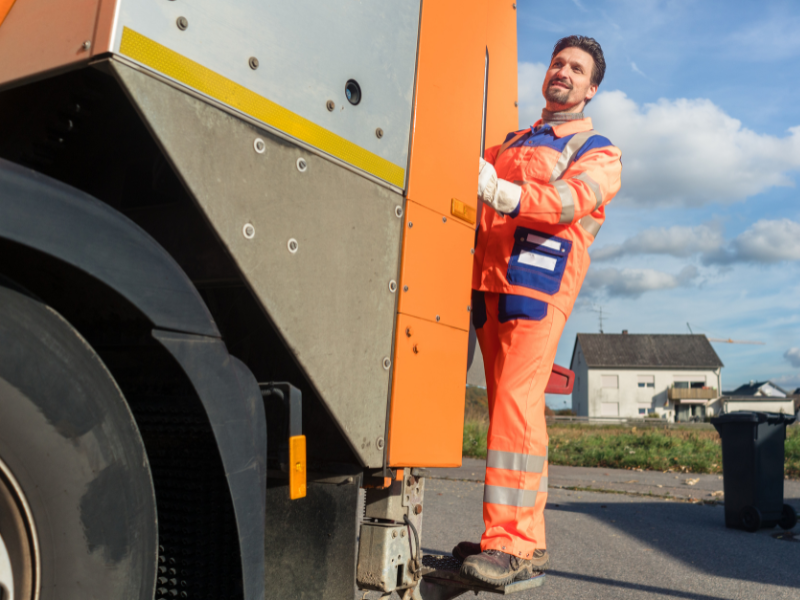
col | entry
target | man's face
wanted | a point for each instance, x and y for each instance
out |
(567, 83)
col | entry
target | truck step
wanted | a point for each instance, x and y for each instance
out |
(444, 571)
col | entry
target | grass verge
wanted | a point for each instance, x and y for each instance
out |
(618, 447)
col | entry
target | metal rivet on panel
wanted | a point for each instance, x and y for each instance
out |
(249, 231)
(409, 331)
(86, 45)
(405, 288)
(259, 145)
(415, 349)
(438, 318)
(253, 62)
(516, 103)
(379, 443)
(387, 363)
(292, 245)
(182, 23)
(410, 224)
(393, 286)
(472, 250)
(330, 105)
(469, 309)
(398, 211)
(379, 133)
(302, 165)
(444, 219)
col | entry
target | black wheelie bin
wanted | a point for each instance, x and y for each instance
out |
(752, 466)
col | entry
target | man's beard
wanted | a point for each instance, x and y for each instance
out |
(557, 95)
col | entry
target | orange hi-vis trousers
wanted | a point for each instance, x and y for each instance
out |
(518, 337)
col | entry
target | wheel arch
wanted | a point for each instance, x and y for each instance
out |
(71, 229)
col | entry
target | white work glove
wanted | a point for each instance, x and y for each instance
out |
(501, 195)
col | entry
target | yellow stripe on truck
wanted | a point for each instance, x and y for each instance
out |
(168, 62)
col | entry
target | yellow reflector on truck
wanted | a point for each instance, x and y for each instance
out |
(462, 211)
(297, 467)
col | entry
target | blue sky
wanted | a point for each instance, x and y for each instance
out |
(703, 99)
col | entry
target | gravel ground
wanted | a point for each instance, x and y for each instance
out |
(628, 545)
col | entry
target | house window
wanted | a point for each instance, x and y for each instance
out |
(689, 381)
(610, 382)
(643, 412)
(647, 381)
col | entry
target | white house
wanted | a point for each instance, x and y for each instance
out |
(677, 377)
(760, 396)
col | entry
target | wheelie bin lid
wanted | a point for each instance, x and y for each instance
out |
(749, 416)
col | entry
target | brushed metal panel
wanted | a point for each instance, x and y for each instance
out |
(330, 300)
(307, 50)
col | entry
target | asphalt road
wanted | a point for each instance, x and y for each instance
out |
(628, 541)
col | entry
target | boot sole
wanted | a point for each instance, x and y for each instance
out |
(470, 572)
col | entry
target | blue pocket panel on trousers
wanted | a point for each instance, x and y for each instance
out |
(538, 260)
(511, 307)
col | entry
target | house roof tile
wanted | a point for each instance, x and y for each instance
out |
(647, 350)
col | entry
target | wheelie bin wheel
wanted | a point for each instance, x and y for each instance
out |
(788, 517)
(77, 505)
(751, 518)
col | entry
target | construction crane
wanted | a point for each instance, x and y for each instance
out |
(728, 340)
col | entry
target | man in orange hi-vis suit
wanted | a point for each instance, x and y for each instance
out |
(544, 191)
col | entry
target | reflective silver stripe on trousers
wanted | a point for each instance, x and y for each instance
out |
(573, 145)
(513, 461)
(543, 485)
(594, 186)
(567, 203)
(590, 225)
(495, 494)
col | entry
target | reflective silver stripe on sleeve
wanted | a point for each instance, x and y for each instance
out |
(594, 186)
(514, 461)
(590, 225)
(495, 494)
(575, 143)
(543, 485)
(567, 203)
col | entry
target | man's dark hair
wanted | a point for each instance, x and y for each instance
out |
(588, 45)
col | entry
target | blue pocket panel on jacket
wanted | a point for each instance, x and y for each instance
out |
(538, 260)
(511, 307)
(478, 309)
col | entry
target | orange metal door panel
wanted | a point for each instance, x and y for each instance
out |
(448, 104)
(435, 280)
(427, 427)
(502, 115)
(42, 35)
(5, 6)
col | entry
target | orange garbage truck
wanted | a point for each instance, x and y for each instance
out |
(236, 243)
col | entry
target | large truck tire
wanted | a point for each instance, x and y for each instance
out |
(77, 506)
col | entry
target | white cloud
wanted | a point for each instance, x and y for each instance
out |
(636, 69)
(793, 356)
(767, 241)
(635, 282)
(674, 241)
(691, 152)
(530, 77)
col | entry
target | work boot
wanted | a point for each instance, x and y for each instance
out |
(540, 561)
(496, 568)
(465, 549)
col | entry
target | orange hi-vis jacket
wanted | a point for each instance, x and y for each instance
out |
(568, 174)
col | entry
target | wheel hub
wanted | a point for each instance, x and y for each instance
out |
(19, 551)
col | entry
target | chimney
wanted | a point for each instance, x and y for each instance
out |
(624, 332)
